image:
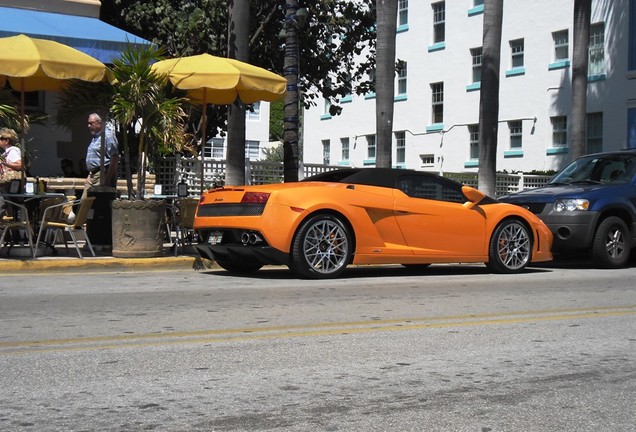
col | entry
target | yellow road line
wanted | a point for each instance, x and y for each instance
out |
(308, 330)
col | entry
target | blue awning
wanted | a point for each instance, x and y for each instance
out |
(90, 35)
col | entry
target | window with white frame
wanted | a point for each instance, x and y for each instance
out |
(596, 63)
(516, 53)
(428, 160)
(326, 107)
(559, 131)
(437, 92)
(516, 133)
(561, 45)
(403, 12)
(253, 112)
(594, 132)
(478, 2)
(475, 53)
(439, 22)
(473, 136)
(400, 147)
(344, 144)
(370, 146)
(326, 151)
(401, 78)
(252, 149)
(217, 148)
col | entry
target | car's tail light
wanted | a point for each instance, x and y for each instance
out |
(255, 198)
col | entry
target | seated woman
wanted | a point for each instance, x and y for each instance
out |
(10, 162)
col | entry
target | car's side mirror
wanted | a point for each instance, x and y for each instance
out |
(474, 196)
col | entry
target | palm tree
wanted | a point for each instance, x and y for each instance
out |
(9, 115)
(489, 96)
(582, 14)
(238, 48)
(292, 97)
(386, 16)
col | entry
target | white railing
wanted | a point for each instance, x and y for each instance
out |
(174, 169)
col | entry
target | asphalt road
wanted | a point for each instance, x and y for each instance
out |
(452, 348)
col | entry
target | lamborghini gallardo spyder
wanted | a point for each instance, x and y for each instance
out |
(319, 225)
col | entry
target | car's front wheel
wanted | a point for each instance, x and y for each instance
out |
(322, 248)
(510, 247)
(612, 243)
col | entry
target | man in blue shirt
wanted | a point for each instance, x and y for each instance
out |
(93, 155)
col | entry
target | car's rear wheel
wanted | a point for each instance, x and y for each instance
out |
(510, 247)
(612, 243)
(321, 248)
(239, 267)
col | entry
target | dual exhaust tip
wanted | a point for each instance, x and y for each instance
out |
(250, 238)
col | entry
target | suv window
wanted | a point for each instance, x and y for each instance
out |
(609, 169)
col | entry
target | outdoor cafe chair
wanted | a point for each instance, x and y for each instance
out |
(58, 223)
(17, 219)
(183, 211)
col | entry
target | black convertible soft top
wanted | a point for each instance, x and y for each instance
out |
(386, 177)
(382, 177)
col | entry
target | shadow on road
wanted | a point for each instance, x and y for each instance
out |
(365, 271)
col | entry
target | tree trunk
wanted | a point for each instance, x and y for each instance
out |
(581, 39)
(238, 48)
(292, 99)
(489, 96)
(386, 17)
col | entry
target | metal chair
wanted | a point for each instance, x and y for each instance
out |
(17, 219)
(55, 218)
(183, 211)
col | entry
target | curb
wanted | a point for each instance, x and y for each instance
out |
(16, 266)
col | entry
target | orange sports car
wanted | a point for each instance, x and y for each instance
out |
(319, 225)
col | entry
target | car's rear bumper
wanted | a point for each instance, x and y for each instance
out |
(265, 255)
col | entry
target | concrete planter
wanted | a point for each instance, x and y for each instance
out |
(138, 228)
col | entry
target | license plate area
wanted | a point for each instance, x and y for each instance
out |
(215, 237)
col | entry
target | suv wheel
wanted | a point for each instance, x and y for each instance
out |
(612, 243)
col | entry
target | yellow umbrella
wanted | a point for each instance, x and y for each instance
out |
(31, 64)
(37, 64)
(218, 80)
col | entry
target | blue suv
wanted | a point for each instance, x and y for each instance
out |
(589, 206)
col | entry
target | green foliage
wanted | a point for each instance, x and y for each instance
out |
(9, 115)
(141, 101)
(274, 154)
(276, 115)
(337, 42)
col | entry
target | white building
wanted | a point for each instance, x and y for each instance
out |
(437, 91)
(256, 135)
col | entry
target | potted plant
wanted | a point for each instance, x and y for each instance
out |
(150, 120)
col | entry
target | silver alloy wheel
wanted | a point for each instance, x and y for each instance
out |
(513, 246)
(615, 243)
(325, 246)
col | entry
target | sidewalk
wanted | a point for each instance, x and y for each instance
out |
(65, 261)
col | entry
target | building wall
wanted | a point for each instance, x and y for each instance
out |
(89, 8)
(538, 91)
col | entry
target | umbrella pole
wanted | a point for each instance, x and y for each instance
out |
(203, 141)
(22, 134)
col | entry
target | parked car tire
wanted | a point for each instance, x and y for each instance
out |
(510, 247)
(322, 248)
(611, 246)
